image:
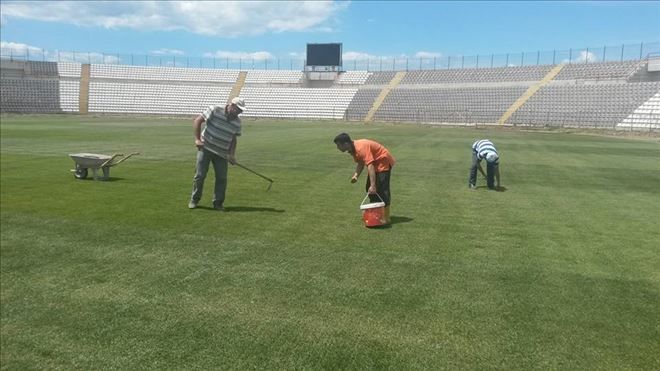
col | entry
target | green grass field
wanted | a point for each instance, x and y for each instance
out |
(559, 271)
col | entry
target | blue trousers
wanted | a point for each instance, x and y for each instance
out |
(490, 172)
(204, 159)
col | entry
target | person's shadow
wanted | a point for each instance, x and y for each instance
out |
(496, 189)
(243, 209)
(400, 219)
(394, 220)
(246, 209)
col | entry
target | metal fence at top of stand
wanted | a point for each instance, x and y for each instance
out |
(612, 53)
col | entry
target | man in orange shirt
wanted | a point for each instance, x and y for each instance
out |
(379, 164)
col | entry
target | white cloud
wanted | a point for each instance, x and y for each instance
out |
(584, 57)
(357, 56)
(257, 56)
(427, 55)
(216, 18)
(165, 51)
(12, 48)
(23, 51)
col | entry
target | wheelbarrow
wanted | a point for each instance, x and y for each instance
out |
(85, 161)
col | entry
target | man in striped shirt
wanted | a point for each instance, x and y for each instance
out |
(216, 144)
(485, 150)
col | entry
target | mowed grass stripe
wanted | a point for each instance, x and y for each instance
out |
(558, 271)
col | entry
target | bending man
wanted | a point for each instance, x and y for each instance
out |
(216, 144)
(485, 150)
(378, 161)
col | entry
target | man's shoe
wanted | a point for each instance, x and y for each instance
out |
(219, 207)
(192, 205)
(472, 187)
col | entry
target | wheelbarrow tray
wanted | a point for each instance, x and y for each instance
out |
(90, 160)
(96, 161)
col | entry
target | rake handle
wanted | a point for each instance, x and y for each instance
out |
(254, 172)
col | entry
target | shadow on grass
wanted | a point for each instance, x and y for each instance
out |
(400, 219)
(250, 209)
(394, 220)
(243, 209)
(496, 189)
(110, 179)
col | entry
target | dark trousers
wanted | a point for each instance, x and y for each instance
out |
(490, 172)
(382, 187)
(204, 159)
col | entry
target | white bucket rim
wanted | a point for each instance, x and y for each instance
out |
(373, 205)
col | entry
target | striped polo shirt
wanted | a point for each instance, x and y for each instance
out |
(483, 147)
(218, 131)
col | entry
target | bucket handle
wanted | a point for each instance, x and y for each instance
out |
(367, 196)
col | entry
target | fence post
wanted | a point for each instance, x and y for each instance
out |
(554, 53)
(604, 49)
(434, 63)
(622, 47)
(27, 54)
(586, 56)
(641, 48)
(381, 64)
(507, 59)
(477, 60)
(570, 55)
(522, 59)
(538, 57)
(492, 56)
(462, 61)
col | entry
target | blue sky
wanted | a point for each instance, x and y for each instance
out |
(367, 29)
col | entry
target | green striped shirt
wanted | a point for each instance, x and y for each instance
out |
(218, 131)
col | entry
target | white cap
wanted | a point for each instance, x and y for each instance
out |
(239, 102)
(492, 157)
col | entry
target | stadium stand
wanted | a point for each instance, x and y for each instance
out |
(308, 103)
(30, 95)
(477, 75)
(69, 94)
(42, 69)
(588, 105)
(380, 78)
(128, 97)
(273, 77)
(448, 105)
(645, 117)
(123, 72)
(622, 95)
(597, 71)
(353, 77)
(69, 69)
(361, 103)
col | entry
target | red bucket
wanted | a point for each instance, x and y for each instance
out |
(373, 214)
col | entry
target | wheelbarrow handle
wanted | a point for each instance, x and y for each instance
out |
(124, 159)
(110, 159)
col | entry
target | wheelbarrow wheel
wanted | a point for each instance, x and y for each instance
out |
(80, 173)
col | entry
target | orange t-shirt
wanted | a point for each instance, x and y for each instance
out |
(370, 152)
